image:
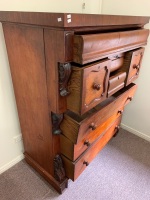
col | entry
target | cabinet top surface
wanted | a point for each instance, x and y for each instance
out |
(70, 20)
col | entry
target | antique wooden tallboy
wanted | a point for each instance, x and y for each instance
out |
(73, 76)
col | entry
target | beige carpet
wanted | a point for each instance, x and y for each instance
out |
(121, 171)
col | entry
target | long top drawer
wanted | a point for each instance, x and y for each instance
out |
(91, 47)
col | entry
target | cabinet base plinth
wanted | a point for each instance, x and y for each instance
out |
(59, 187)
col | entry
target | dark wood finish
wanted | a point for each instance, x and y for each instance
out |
(59, 171)
(60, 187)
(132, 64)
(64, 75)
(116, 82)
(56, 120)
(77, 127)
(77, 20)
(73, 151)
(74, 169)
(42, 49)
(88, 86)
(25, 49)
(88, 48)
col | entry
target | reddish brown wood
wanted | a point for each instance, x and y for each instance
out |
(116, 82)
(77, 20)
(73, 151)
(88, 86)
(88, 48)
(38, 44)
(132, 64)
(25, 48)
(77, 127)
(74, 169)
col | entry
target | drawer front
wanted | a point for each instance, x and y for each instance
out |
(132, 64)
(116, 64)
(88, 86)
(77, 128)
(74, 169)
(116, 82)
(88, 48)
(73, 151)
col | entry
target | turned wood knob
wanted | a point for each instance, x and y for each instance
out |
(92, 126)
(87, 143)
(86, 163)
(120, 111)
(116, 130)
(130, 98)
(135, 66)
(96, 86)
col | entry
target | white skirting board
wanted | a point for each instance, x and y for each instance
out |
(11, 163)
(138, 133)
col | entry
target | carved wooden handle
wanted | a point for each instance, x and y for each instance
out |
(96, 86)
(86, 163)
(87, 143)
(92, 126)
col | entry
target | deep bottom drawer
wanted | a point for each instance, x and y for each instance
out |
(74, 169)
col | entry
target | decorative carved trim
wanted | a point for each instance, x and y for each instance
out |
(64, 75)
(56, 120)
(59, 172)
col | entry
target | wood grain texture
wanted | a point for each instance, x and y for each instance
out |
(77, 127)
(25, 48)
(73, 151)
(88, 48)
(77, 20)
(132, 64)
(88, 86)
(74, 169)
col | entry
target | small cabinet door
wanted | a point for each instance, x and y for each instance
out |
(132, 64)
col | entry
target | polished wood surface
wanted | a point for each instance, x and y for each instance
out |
(88, 86)
(77, 20)
(74, 169)
(76, 127)
(75, 150)
(132, 64)
(91, 47)
(65, 68)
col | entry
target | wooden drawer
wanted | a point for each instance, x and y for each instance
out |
(74, 169)
(132, 64)
(75, 150)
(116, 82)
(116, 63)
(88, 86)
(88, 48)
(77, 127)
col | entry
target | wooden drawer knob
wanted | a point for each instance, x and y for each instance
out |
(86, 163)
(130, 98)
(92, 126)
(135, 66)
(116, 131)
(120, 111)
(87, 143)
(96, 86)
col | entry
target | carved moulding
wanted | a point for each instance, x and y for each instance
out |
(64, 75)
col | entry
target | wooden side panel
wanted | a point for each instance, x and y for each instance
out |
(27, 62)
(88, 48)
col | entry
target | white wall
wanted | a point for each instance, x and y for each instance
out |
(136, 117)
(11, 152)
